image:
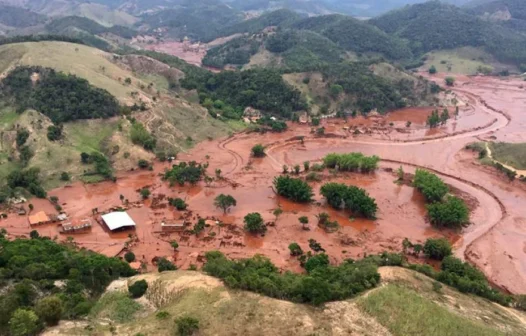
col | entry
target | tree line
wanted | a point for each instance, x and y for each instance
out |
(61, 97)
(30, 298)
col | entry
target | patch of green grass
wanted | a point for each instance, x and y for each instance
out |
(405, 313)
(88, 136)
(91, 179)
(512, 154)
(159, 82)
(8, 117)
(458, 61)
(117, 306)
(6, 166)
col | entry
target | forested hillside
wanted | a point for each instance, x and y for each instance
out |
(298, 49)
(60, 96)
(17, 17)
(199, 20)
(62, 25)
(433, 25)
(32, 299)
(256, 25)
(517, 8)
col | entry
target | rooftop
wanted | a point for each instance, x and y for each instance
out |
(117, 220)
(39, 218)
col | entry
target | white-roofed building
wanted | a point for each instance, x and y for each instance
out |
(118, 220)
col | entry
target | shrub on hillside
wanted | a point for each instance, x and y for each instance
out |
(437, 249)
(138, 288)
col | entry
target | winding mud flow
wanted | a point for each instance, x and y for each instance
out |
(495, 241)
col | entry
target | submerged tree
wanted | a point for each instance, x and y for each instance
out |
(225, 202)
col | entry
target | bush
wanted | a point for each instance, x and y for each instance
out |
(433, 188)
(140, 136)
(165, 265)
(64, 176)
(187, 326)
(315, 262)
(294, 189)
(138, 288)
(145, 193)
(353, 162)
(23, 323)
(143, 164)
(295, 250)
(351, 198)
(185, 172)
(178, 203)
(258, 151)
(54, 133)
(254, 223)
(129, 257)
(22, 134)
(28, 179)
(50, 310)
(453, 213)
(437, 249)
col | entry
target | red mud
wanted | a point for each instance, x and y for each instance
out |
(495, 241)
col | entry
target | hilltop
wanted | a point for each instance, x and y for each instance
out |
(132, 80)
(419, 307)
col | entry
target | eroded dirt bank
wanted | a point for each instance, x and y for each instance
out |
(495, 242)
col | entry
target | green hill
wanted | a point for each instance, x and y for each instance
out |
(345, 32)
(516, 8)
(256, 25)
(172, 119)
(61, 25)
(298, 50)
(198, 20)
(405, 303)
(431, 26)
(17, 17)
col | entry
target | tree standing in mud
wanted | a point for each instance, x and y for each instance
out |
(304, 220)
(277, 212)
(254, 223)
(225, 202)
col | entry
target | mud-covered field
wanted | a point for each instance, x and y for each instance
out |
(491, 108)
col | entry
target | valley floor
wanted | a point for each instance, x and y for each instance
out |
(494, 241)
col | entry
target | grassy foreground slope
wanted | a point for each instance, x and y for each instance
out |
(171, 119)
(226, 312)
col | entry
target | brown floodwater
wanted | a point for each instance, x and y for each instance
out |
(495, 241)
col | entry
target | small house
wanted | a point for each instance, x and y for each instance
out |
(40, 218)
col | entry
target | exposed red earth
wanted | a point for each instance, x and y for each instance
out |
(495, 241)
